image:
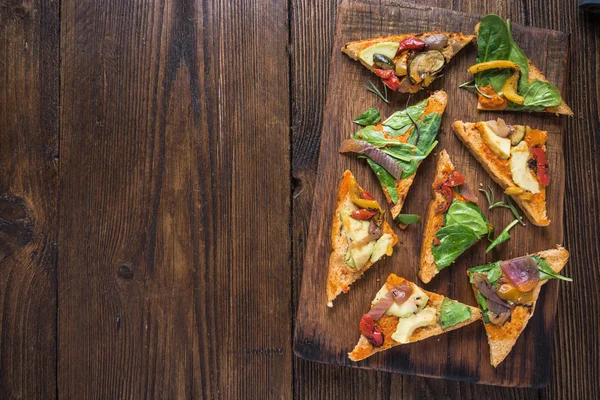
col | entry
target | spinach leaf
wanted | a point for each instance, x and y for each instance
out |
(540, 94)
(374, 136)
(399, 122)
(482, 301)
(454, 240)
(502, 237)
(404, 152)
(492, 271)
(425, 132)
(386, 179)
(452, 313)
(409, 168)
(467, 214)
(493, 39)
(546, 271)
(407, 219)
(369, 117)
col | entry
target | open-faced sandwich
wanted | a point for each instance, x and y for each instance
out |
(395, 147)
(359, 237)
(515, 157)
(507, 292)
(505, 79)
(409, 62)
(404, 313)
(454, 221)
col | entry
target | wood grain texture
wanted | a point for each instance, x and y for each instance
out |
(174, 282)
(29, 88)
(315, 338)
(573, 367)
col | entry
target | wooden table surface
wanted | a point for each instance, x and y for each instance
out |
(157, 166)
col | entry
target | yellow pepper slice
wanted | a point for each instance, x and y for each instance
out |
(509, 90)
(492, 65)
(354, 193)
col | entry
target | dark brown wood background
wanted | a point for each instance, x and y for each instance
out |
(146, 205)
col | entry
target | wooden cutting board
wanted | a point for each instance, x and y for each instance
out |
(327, 335)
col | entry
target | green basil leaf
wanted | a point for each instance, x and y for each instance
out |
(502, 237)
(407, 219)
(369, 117)
(540, 94)
(399, 122)
(492, 271)
(385, 179)
(546, 271)
(467, 214)
(452, 313)
(454, 240)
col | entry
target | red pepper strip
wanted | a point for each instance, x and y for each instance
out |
(363, 214)
(436, 241)
(371, 330)
(412, 43)
(388, 77)
(446, 192)
(366, 195)
(542, 165)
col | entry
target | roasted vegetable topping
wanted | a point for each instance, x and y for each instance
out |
(436, 42)
(412, 43)
(383, 62)
(542, 165)
(371, 330)
(425, 66)
(362, 214)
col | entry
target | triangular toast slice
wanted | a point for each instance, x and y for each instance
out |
(502, 337)
(359, 237)
(427, 116)
(533, 73)
(425, 314)
(402, 50)
(448, 187)
(478, 137)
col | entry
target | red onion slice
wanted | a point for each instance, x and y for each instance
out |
(468, 193)
(401, 293)
(436, 42)
(381, 306)
(522, 272)
(362, 147)
(494, 303)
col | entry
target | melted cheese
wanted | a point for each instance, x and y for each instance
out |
(407, 326)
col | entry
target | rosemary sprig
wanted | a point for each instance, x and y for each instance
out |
(507, 203)
(513, 209)
(373, 89)
(473, 85)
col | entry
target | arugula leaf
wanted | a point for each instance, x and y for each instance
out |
(467, 214)
(407, 219)
(546, 271)
(452, 313)
(369, 117)
(502, 237)
(492, 271)
(400, 122)
(454, 240)
(385, 178)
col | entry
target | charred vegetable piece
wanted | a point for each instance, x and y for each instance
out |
(412, 43)
(509, 90)
(402, 65)
(436, 42)
(371, 330)
(383, 62)
(388, 77)
(363, 214)
(542, 165)
(425, 66)
(500, 64)
(517, 135)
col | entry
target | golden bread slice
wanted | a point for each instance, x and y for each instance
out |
(455, 42)
(390, 325)
(502, 338)
(354, 243)
(533, 205)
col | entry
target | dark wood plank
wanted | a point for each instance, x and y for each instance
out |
(29, 90)
(360, 21)
(175, 200)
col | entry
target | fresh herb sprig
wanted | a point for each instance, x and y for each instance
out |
(507, 203)
(502, 237)
(373, 89)
(475, 86)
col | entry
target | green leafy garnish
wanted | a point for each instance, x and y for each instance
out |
(546, 271)
(489, 196)
(464, 224)
(369, 117)
(453, 313)
(492, 271)
(473, 85)
(385, 178)
(407, 219)
(502, 237)
(373, 89)
(400, 122)
(513, 209)
(495, 42)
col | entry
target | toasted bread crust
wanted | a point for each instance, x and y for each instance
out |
(427, 266)
(340, 275)
(436, 104)
(364, 348)
(470, 136)
(502, 338)
(534, 74)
